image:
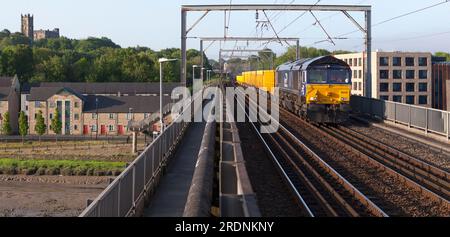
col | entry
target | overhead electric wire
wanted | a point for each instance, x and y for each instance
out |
(400, 16)
(325, 18)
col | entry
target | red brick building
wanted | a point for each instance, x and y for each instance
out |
(441, 85)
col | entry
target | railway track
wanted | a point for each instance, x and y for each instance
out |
(319, 189)
(432, 181)
(426, 179)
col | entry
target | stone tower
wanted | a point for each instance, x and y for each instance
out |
(28, 26)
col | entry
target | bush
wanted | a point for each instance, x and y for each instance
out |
(63, 167)
(40, 171)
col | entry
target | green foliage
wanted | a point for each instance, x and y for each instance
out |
(443, 54)
(23, 124)
(56, 122)
(60, 167)
(341, 52)
(16, 60)
(88, 60)
(6, 125)
(40, 124)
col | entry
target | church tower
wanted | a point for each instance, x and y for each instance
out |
(28, 26)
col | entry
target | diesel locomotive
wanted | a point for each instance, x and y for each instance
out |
(317, 89)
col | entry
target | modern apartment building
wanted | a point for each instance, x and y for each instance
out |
(396, 76)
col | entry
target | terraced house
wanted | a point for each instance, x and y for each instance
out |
(93, 108)
(10, 101)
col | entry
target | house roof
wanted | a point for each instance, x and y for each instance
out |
(6, 81)
(4, 93)
(130, 88)
(43, 93)
(115, 104)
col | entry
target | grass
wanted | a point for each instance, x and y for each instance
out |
(61, 167)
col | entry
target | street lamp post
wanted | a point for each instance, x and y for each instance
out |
(96, 117)
(161, 61)
(209, 75)
(193, 72)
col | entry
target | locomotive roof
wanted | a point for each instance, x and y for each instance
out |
(304, 63)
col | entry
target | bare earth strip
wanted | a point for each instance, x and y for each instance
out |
(47, 195)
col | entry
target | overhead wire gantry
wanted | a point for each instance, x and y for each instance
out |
(345, 9)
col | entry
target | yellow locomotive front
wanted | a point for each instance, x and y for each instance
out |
(317, 89)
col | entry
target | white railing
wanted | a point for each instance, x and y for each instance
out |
(126, 195)
(426, 119)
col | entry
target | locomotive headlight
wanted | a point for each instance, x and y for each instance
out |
(344, 99)
(313, 98)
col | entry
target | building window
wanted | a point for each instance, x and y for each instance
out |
(384, 97)
(396, 87)
(410, 87)
(384, 61)
(423, 87)
(410, 74)
(111, 128)
(37, 104)
(423, 100)
(384, 87)
(397, 98)
(409, 61)
(384, 74)
(129, 116)
(51, 116)
(94, 116)
(350, 62)
(410, 99)
(94, 128)
(397, 74)
(423, 74)
(359, 85)
(76, 104)
(76, 116)
(26, 107)
(355, 86)
(397, 61)
(360, 62)
(360, 73)
(111, 116)
(75, 127)
(355, 74)
(355, 61)
(423, 61)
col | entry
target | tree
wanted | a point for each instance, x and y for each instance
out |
(56, 124)
(23, 125)
(17, 60)
(6, 126)
(443, 54)
(40, 125)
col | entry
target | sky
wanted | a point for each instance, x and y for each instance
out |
(156, 24)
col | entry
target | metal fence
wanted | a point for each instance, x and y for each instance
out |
(426, 119)
(128, 191)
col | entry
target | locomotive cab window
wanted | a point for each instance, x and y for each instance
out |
(336, 76)
(317, 76)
